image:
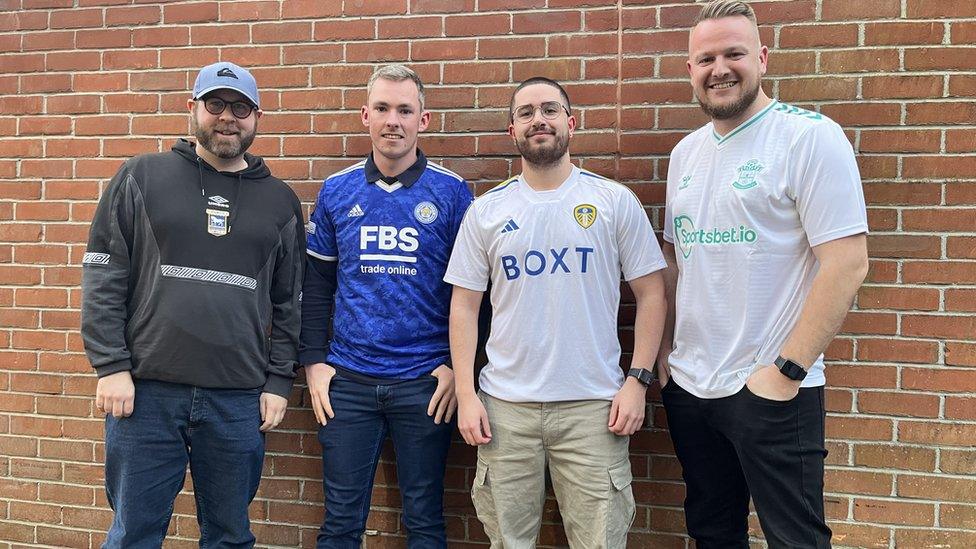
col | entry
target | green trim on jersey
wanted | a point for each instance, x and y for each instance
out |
(719, 140)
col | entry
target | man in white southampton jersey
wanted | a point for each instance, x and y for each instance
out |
(765, 228)
(380, 239)
(553, 242)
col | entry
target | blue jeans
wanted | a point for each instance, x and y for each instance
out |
(351, 444)
(146, 454)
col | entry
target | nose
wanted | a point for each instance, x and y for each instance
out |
(392, 118)
(720, 67)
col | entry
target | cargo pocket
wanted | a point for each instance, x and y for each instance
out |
(621, 509)
(484, 503)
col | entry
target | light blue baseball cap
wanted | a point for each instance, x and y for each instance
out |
(226, 76)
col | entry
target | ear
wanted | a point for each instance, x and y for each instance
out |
(763, 60)
(258, 113)
(424, 120)
(189, 104)
(572, 125)
(511, 131)
(364, 115)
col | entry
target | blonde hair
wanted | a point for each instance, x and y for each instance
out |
(397, 73)
(717, 9)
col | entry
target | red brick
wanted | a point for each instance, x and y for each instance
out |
(894, 512)
(808, 36)
(943, 380)
(961, 462)
(194, 12)
(476, 25)
(898, 404)
(859, 428)
(836, 10)
(859, 61)
(876, 34)
(921, 9)
(945, 272)
(849, 481)
(548, 22)
(936, 488)
(136, 15)
(963, 408)
(958, 353)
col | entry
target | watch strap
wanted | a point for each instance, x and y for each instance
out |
(790, 369)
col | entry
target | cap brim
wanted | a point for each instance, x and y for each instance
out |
(205, 91)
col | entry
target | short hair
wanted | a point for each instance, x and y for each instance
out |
(537, 80)
(397, 73)
(717, 9)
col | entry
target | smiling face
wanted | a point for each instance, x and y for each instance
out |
(223, 135)
(394, 117)
(540, 141)
(726, 63)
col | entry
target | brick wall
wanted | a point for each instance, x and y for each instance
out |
(87, 83)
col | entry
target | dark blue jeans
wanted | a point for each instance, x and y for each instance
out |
(146, 454)
(351, 444)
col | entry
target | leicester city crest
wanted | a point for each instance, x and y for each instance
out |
(585, 215)
(425, 212)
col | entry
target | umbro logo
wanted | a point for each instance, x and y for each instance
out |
(227, 73)
(218, 201)
(510, 226)
(356, 211)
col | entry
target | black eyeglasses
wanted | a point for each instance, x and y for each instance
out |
(550, 110)
(216, 106)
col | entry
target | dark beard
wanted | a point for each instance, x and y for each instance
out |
(224, 150)
(730, 110)
(542, 157)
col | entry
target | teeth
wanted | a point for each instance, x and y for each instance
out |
(723, 85)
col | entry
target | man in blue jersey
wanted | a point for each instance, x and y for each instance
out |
(380, 237)
(554, 242)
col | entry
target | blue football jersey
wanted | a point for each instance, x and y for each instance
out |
(392, 242)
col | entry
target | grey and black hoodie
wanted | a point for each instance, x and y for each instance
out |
(192, 275)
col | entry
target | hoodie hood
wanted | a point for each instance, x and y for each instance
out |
(256, 168)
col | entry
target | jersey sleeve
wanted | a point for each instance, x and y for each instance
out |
(320, 230)
(469, 267)
(640, 253)
(826, 185)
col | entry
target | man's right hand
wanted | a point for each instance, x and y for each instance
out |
(116, 394)
(318, 377)
(473, 420)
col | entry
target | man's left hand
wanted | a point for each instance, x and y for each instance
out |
(272, 410)
(627, 408)
(443, 402)
(769, 383)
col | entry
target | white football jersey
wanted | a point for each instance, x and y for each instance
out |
(555, 260)
(743, 212)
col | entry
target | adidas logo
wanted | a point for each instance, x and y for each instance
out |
(356, 211)
(510, 226)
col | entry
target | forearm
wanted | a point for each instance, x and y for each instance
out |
(318, 296)
(649, 320)
(670, 275)
(827, 303)
(464, 338)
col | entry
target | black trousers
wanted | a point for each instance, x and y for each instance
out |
(742, 445)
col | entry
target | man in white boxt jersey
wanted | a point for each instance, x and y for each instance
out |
(554, 242)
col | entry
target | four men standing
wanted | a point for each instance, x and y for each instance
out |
(765, 247)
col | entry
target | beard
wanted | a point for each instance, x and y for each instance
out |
(543, 155)
(223, 148)
(727, 111)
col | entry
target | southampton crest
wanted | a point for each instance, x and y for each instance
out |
(747, 174)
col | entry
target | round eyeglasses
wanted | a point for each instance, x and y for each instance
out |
(216, 106)
(550, 110)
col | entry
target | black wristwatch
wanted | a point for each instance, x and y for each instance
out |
(790, 369)
(643, 375)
